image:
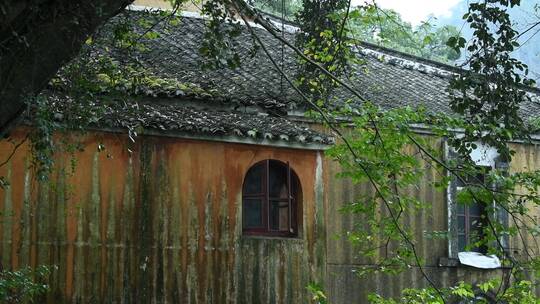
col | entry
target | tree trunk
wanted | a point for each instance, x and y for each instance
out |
(37, 37)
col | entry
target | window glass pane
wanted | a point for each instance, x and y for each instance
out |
(475, 223)
(278, 180)
(462, 242)
(460, 182)
(475, 209)
(461, 224)
(253, 183)
(475, 229)
(294, 184)
(480, 179)
(460, 208)
(474, 179)
(252, 213)
(279, 215)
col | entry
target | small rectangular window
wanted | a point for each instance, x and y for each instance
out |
(471, 216)
(468, 220)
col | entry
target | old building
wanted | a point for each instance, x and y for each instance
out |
(224, 195)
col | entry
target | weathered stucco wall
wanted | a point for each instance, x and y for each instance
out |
(161, 224)
(343, 285)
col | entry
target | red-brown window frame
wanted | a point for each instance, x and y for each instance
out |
(292, 199)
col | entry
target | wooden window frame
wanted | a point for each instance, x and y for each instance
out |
(495, 162)
(467, 213)
(291, 199)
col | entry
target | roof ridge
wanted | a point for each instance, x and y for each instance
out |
(412, 57)
(430, 62)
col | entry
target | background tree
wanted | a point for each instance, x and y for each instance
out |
(286, 9)
(524, 16)
(386, 28)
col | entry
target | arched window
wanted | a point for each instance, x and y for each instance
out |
(270, 200)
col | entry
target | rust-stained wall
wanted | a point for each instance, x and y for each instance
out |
(344, 286)
(161, 224)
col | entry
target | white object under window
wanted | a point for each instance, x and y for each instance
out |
(478, 260)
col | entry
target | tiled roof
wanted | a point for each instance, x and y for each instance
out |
(392, 79)
(190, 120)
(175, 54)
(389, 79)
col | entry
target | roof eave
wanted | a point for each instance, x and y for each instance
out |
(315, 146)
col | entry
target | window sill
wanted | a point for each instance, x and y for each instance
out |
(454, 263)
(270, 237)
(449, 262)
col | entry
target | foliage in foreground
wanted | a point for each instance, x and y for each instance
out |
(486, 293)
(317, 293)
(23, 285)
(383, 150)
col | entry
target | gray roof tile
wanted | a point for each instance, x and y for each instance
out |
(389, 79)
